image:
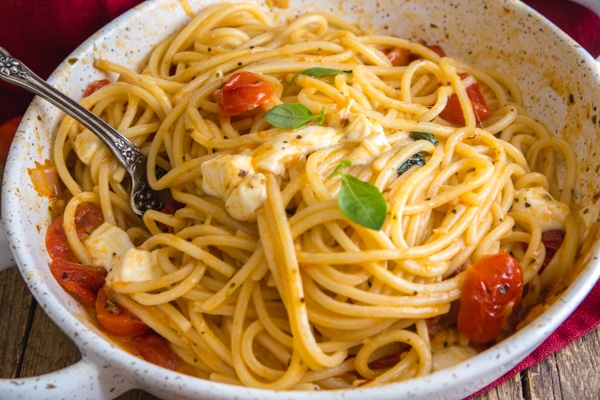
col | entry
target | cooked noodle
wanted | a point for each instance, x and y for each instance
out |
(293, 294)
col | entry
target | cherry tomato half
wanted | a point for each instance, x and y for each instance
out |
(401, 56)
(7, 132)
(493, 288)
(117, 319)
(453, 111)
(82, 281)
(87, 218)
(155, 349)
(94, 86)
(243, 91)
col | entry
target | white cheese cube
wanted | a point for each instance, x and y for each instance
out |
(550, 213)
(107, 244)
(135, 266)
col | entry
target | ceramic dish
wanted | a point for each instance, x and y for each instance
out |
(561, 83)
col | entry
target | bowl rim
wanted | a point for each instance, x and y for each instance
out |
(95, 347)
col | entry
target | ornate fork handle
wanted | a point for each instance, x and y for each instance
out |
(143, 197)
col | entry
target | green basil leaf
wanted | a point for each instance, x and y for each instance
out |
(423, 136)
(416, 159)
(321, 116)
(319, 71)
(289, 116)
(360, 201)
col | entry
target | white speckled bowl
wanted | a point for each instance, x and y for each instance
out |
(562, 87)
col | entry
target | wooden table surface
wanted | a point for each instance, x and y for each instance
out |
(33, 345)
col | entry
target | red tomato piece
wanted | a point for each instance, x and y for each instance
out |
(94, 86)
(57, 245)
(493, 288)
(243, 91)
(453, 111)
(7, 133)
(87, 218)
(439, 50)
(82, 281)
(400, 56)
(117, 319)
(155, 349)
(552, 240)
(170, 208)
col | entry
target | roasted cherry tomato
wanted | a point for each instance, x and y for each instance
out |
(453, 111)
(94, 86)
(83, 281)
(170, 208)
(117, 319)
(155, 349)
(552, 240)
(493, 288)
(400, 56)
(7, 132)
(243, 91)
(87, 218)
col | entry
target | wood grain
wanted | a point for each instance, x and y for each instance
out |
(34, 345)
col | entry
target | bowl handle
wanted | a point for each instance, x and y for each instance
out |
(82, 380)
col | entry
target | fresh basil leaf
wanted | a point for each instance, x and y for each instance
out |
(423, 136)
(321, 117)
(416, 159)
(319, 71)
(292, 116)
(338, 170)
(360, 201)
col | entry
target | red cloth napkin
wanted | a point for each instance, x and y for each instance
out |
(42, 33)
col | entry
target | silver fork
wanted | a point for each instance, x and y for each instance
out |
(142, 197)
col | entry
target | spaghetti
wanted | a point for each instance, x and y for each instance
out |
(256, 276)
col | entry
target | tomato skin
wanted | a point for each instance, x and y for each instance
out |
(82, 281)
(243, 91)
(7, 133)
(170, 209)
(117, 319)
(493, 288)
(57, 244)
(400, 56)
(453, 111)
(552, 240)
(155, 349)
(94, 86)
(88, 217)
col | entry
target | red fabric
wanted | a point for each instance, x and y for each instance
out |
(43, 32)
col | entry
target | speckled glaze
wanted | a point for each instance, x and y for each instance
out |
(561, 84)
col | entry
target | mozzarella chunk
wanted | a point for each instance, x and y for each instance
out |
(85, 145)
(275, 155)
(238, 180)
(223, 173)
(372, 140)
(107, 244)
(550, 213)
(247, 197)
(135, 266)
